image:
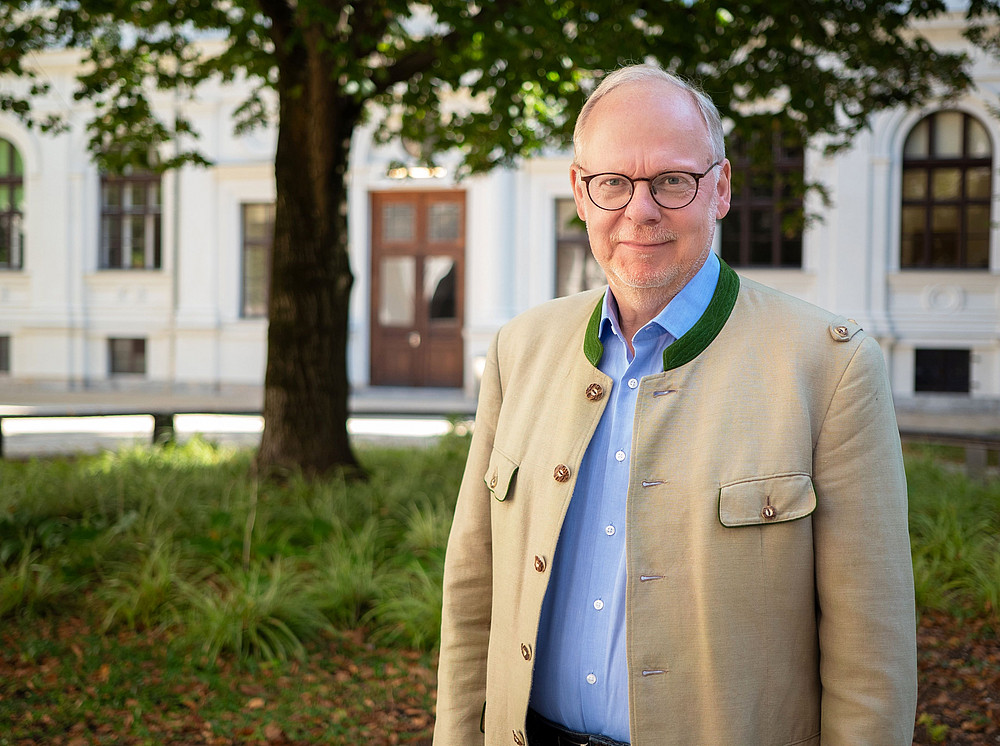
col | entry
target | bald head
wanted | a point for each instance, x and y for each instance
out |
(651, 78)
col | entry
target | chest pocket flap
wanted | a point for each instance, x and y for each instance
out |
(500, 475)
(775, 499)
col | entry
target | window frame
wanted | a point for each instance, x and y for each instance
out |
(139, 351)
(122, 256)
(246, 246)
(924, 256)
(949, 359)
(12, 218)
(785, 170)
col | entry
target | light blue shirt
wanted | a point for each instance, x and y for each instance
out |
(581, 672)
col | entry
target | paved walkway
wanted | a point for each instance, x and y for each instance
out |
(385, 415)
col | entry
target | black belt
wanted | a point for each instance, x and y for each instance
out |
(543, 732)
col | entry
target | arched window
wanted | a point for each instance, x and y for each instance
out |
(11, 207)
(947, 184)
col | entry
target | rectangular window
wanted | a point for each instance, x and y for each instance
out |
(576, 268)
(258, 237)
(946, 371)
(765, 222)
(130, 221)
(4, 354)
(127, 356)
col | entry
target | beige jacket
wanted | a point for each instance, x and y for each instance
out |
(770, 590)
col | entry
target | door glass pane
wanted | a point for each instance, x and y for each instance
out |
(916, 142)
(946, 183)
(439, 288)
(915, 184)
(948, 135)
(443, 221)
(979, 141)
(397, 282)
(398, 223)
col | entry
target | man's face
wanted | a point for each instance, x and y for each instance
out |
(641, 130)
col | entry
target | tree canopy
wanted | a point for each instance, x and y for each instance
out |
(497, 80)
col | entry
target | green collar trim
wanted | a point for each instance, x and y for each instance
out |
(592, 346)
(698, 337)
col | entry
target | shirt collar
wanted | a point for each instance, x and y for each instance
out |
(681, 313)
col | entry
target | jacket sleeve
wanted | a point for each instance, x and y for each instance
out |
(468, 584)
(864, 572)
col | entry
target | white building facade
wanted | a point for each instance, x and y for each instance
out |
(145, 282)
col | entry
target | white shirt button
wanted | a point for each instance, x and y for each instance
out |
(633, 383)
(609, 530)
(598, 604)
(620, 456)
(591, 678)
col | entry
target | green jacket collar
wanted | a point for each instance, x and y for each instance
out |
(692, 344)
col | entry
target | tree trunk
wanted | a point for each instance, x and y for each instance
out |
(306, 385)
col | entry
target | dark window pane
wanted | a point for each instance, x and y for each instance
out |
(729, 238)
(946, 183)
(4, 354)
(258, 236)
(942, 371)
(977, 236)
(915, 184)
(760, 238)
(977, 183)
(127, 356)
(439, 288)
(944, 237)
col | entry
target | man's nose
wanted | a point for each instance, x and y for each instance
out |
(642, 208)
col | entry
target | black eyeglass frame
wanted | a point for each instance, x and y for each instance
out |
(696, 176)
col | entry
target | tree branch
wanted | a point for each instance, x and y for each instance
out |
(282, 22)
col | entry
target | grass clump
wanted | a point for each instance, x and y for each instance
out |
(183, 540)
(954, 537)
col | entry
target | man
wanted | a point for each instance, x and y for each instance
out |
(683, 517)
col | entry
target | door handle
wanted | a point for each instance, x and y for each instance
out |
(414, 339)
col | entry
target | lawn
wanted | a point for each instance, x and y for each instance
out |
(162, 596)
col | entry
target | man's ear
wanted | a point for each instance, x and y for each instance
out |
(579, 191)
(723, 188)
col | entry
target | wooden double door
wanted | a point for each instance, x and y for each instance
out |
(418, 281)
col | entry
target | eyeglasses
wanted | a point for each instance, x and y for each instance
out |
(670, 189)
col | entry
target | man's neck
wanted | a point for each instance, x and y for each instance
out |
(636, 307)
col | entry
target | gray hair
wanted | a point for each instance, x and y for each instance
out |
(651, 73)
